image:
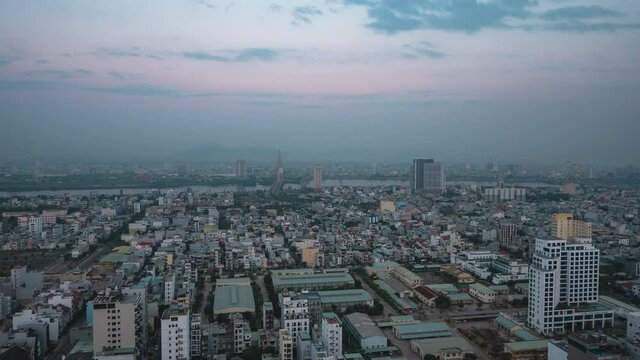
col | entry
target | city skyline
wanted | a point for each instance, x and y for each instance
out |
(530, 81)
(319, 179)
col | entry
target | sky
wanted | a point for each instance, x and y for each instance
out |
(528, 81)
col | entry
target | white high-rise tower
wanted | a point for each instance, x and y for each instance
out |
(563, 287)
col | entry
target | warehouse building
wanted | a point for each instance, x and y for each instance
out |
(307, 280)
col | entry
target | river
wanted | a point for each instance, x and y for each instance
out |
(235, 188)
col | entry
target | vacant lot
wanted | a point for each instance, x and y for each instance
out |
(34, 259)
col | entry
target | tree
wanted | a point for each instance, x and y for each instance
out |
(496, 349)
(430, 357)
(442, 302)
(252, 353)
(12, 221)
(469, 356)
(357, 284)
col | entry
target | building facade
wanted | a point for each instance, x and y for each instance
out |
(285, 344)
(504, 194)
(118, 323)
(241, 169)
(175, 328)
(295, 313)
(563, 287)
(427, 176)
(507, 234)
(332, 334)
(317, 178)
(564, 226)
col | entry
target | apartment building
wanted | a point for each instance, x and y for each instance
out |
(118, 322)
(563, 287)
(175, 328)
(564, 226)
(332, 334)
(295, 313)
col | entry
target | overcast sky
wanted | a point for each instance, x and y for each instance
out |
(460, 80)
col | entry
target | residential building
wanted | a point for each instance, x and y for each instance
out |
(633, 334)
(310, 256)
(505, 194)
(507, 234)
(557, 350)
(285, 344)
(268, 317)
(387, 206)
(196, 335)
(303, 346)
(332, 333)
(241, 333)
(25, 284)
(563, 286)
(169, 288)
(295, 313)
(564, 226)
(35, 225)
(117, 322)
(175, 330)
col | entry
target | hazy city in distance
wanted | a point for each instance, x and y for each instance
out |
(320, 180)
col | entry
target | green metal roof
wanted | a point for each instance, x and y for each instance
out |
(458, 297)
(481, 288)
(435, 345)
(233, 281)
(388, 324)
(526, 345)
(342, 296)
(506, 322)
(233, 298)
(422, 330)
(312, 280)
(525, 335)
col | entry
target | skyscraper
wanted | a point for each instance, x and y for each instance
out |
(241, 169)
(563, 287)
(427, 176)
(278, 183)
(317, 178)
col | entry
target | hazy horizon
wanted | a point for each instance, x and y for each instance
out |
(520, 81)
